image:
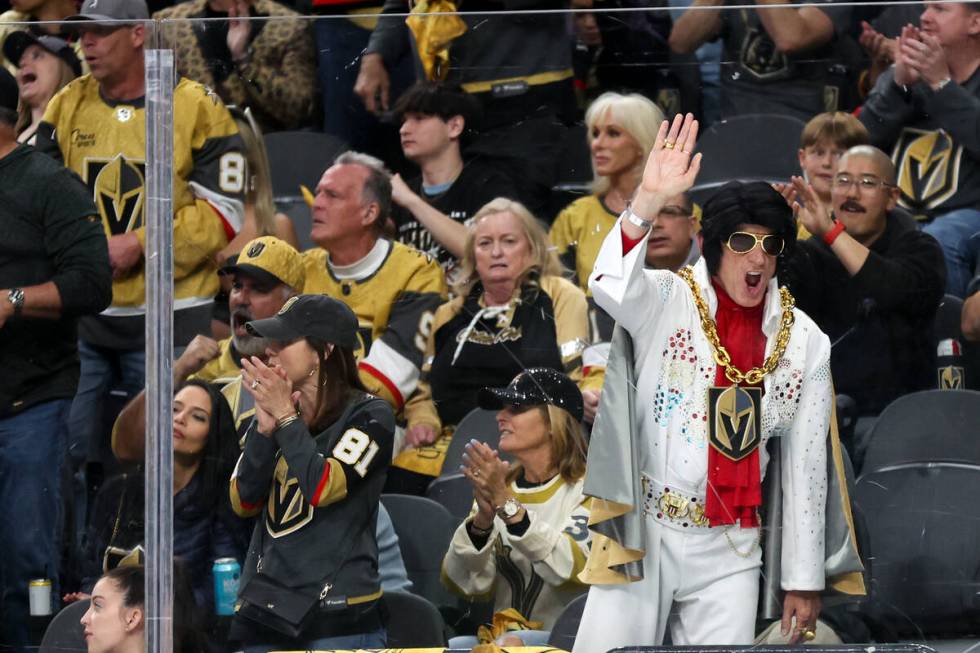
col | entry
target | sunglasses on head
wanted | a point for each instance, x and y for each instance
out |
(742, 242)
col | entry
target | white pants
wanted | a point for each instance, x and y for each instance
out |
(693, 580)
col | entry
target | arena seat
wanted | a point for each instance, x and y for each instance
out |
(923, 522)
(65, 632)
(749, 148)
(479, 424)
(454, 493)
(927, 426)
(413, 622)
(424, 530)
(563, 632)
(299, 157)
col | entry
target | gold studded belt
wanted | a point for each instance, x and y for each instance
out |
(672, 506)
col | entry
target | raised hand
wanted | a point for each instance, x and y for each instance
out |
(927, 58)
(905, 72)
(272, 391)
(670, 168)
(813, 213)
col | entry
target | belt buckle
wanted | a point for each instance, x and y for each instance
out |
(673, 506)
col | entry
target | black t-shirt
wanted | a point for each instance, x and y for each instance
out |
(476, 185)
(758, 78)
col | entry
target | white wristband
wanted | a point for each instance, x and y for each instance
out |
(634, 219)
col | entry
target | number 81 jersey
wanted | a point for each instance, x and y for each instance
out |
(319, 497)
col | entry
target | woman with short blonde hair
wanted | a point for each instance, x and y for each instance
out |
(621, 133)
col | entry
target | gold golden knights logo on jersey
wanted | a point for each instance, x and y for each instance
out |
(117, 188)
(287, 510)
(928, 167)
(951, 378)
(734, 420)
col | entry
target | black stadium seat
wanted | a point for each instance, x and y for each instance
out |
(65, 632)
(424, 531)
(749, 148)
(928, 426)
(924, 525)
(479, 424)
(413, 622)
(454, 493)
(299, 157)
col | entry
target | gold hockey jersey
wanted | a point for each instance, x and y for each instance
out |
(105, 143)
(394, 301)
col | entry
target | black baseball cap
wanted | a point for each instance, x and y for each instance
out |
(533, 387)
(17, 42)
(310, 316)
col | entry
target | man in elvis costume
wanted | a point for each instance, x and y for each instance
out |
(711, 363)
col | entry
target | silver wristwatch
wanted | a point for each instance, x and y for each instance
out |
(16, 297)
(510, 509)
(634, 219)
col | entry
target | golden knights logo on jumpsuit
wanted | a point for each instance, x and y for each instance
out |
(734, 421)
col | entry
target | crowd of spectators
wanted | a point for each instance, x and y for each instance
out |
(424, 286)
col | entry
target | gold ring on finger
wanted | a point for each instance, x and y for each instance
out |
(809, 634)
(668, 145)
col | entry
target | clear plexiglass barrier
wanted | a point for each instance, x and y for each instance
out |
(446, 172)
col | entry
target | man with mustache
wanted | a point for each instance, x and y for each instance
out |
(267, 273)
(870, 279)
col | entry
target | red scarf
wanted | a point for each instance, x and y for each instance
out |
(735, 488)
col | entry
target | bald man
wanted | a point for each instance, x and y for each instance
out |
(870, 279)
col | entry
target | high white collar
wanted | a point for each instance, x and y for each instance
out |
(364, 268)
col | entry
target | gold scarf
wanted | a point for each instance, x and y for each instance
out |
(434, 24)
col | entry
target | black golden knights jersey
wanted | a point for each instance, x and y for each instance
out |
(105, 143)
(395, 301)
(318, 498)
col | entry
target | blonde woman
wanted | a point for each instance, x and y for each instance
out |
(513, 310)
(621, 132)
(527, 538)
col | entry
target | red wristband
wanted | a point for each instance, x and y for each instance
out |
(835, 231)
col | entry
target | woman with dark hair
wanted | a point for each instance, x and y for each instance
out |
(526, 540)
(205, 528)
(115, 620)
(313, 464)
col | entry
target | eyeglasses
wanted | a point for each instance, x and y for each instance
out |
(864, 184)
(671, 212)
(742, 242)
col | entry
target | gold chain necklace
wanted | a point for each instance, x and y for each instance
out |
(722, 357)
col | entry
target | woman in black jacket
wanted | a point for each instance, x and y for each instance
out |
(314, 462)
(205, 528)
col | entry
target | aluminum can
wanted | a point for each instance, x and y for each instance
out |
(226, 572)
(39, 595)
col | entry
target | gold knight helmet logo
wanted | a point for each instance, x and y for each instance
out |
(734, 420)
(928, 167)
(287, 510)
(951, 378)
(117, 188)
